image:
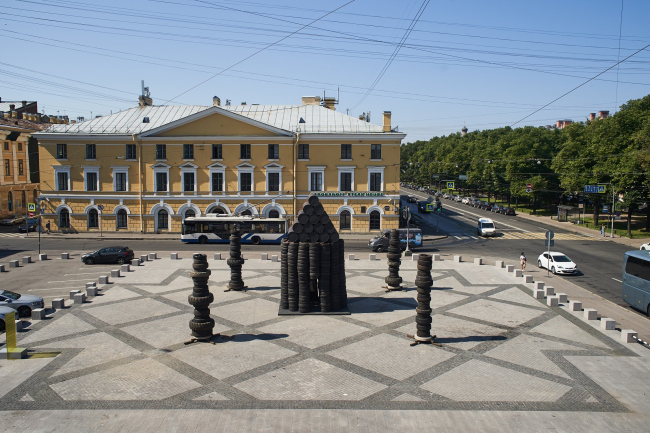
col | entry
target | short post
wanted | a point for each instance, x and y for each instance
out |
(201, 298)
(125, 268)
(415, 257)
(607, 323)
(549, 290)
(174, 256)
(58, 303)
(72, 293)
(103, 279)
(79, 298)
(394, 255)
(14, 264)
(628, 336)
(153, 256)
(436, 257)
(423, 282)
(372, 257)
(510, 268)
(91, 284)
(235, 262)
(538, 294)
(528, 278)
(92, 291)
(478, 261)
(65, 256)
(274, 258)
(499, 264)
(2, 268)
(518, 273)
(38, 314)
(351, 257)
(458, 259)
(115, 273)
(264, 256)
(553, 301)
(42, 257)
(135, 262)
(575, 306)
(590, 314)
(539, 285)
(27, 260)
(144, 258)
(217, 256)
(563, 298)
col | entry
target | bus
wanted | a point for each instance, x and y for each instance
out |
(636, 280)
(216, 228)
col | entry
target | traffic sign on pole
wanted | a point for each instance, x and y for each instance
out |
(450, 185)
(529, 190)
(529, 185)
(552, 243)
(31, 207)
(550, 234)
(31, 214)
(100, 207)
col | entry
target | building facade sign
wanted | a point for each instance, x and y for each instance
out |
(350, 194)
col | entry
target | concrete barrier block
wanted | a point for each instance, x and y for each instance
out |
(575, 305)
(436, 257)
(351, 257)
(92, 291)
(16, 353)
(478, 261)
(518, 273)
(590, 314)
(125, 268)
(510, 268)
(372, 257)
(74, 292)
(553, 301)
(27, 260)
(528, 278)
(538, 294)
(115, 273)
(103, 279)
(415, 257)
(19, 325)
(274, 258)
(563, 298)
(135, 262)
(539, 285)
(58, 303)
(91, 284)
(628, 336)
(143, 258)
(42, 257)
(499, 264)
(79, 298)
(14, 264)
(607, 323)
(217, 256)
(174, 256)
(153, 256)
(458, 259)
(38, 314)
(65, 256)
(2, 268)
(549, 290)
(265, 256)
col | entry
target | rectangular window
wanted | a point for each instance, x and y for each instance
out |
(375, 151)
(62, 181)
(188, 151)
(303, 151)
(91, 181)
(7, 167)
(188, 182)
(217, 151)
(217, 182)
(638, 267)
(246, 181)
(20, 167)
(130, 151)
(161, 151)
(375, 181)
(346, 151)
(120, 181)
(62, 151)
(274, 152)
(121, 219)
(244, 151)
(316, 182)
(161, 181)
(6, 145)
(274, 181)
(91, 151)
(20, 146)
(346, 181)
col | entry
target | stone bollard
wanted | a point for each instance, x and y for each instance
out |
(394, 255)
(415, 257)
(351, 257)
(27, 260)
(539, 285)
(265, 256)
(274, 258)
(201, 298)
(79, 298)
(19, 325)
(436, 257)
(42, 257)
(590, 314)
(91, 284)
(538, 294)
(628, 336)
(73, 292)
(65, 256)
(553, 301)
(103, 279)
(174, 256)
(499, 264)
(235, 262)
(115, 273)
(2, 268)
(143, 258)
(563, 298)
(14, 264)
(458, 259)
(608, 324)
(549, 290)
(92, 291)
(217, 256)
(528, 278)
(510, 268)
(58, 303)
(575, 305)
(372, 257)
(423, 311)
(135, 262)
(152, 256)
(518, 273)
(38, 314)
(125, 268)
(478, 261)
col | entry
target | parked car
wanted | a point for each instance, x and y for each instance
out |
(508, 211)
(558, 263)
(119, 255)
(380, 243)
(425, 207)
(411, 199)
(496, 208)
(13, 220)
(465, 200)
(486, 227)
(23, 304)
(3, 313)
(486, 206)
(31, 224)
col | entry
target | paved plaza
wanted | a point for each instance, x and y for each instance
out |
(506, 359)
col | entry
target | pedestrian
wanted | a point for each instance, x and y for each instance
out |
(47, 226)
(602, 230)
(522, 258)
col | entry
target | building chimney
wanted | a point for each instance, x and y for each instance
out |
(603, 114)
(592, 116)
(387, 127)
(144, 99)
(330, 103)
(216, 101)
(464, 130)
(12, 107)
(559, 124)
(311, 100)
(24, 103)
(243, 103)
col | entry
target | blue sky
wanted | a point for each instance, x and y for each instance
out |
(483, 64)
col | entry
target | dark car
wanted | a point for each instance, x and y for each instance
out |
(411, 199)
(32, 223)
(486, 206)
(119, 255)
(508, 211)
(496, 208)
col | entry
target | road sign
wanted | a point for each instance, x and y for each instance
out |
(450, 185)
(552, 243)
(581, 205)
(462, 177)
(529, 185)
(100, 207)
(529, 190)
(618, 213)
(550, 234)
(31, 214)
(595, 189)
(31, 207)
(606, 208)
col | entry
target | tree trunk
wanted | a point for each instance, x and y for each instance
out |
(647, 218)
(629, 222)
(517, 203)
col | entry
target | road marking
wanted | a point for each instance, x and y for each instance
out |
(83, 273)
(457, 237)
(617, 280)
(60, 288)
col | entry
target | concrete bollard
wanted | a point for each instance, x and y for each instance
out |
(499, 264)
(590, 314)
(510, 268)
(79, 298)
(19, 325)
(92, 291)
(73, 292)
(539, 285)
(553, 301)
(144, 258)
(563, 298)
(14, 264)
(538, 294)
(458, 259)
(351, 257)
(436, 257)
(478, 261)
(103, 279)
(372, 257)
(125, 268)
(265, 256)
(91, 284)
(217, 256)
(607, 323)
(152, 256)
(415, 257)
(38, 314)
(528, 278)
(27, 260)
(174, 256)
(274, 258)
(575, 305)
(58, 303)
(518, 273)
(65, 256)
(549, 290)
(42, 257)
(628, 336)
(2, 268)
(115, 273)
(135, 262)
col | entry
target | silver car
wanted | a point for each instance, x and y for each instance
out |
(23, 304)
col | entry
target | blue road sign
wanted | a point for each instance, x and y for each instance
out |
(450, 185)
(595, 189)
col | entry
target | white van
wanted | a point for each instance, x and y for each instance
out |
(486, 227)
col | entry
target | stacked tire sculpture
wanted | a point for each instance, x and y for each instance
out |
(284, 275)
(393, 280)
(313, 268)
(423, 282)
(201, 298)
(235, 261)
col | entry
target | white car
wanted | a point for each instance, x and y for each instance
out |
(645, 246)
(558, 264)
(465, 200)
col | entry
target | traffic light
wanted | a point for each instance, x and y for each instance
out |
(438, 206)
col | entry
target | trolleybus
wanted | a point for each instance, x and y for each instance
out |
(217, 228)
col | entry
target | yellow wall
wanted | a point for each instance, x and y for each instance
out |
(216, 125)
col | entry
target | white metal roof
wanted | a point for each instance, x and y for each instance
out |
(4, 105)
(316, 119)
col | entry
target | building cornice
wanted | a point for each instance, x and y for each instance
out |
(391, 137)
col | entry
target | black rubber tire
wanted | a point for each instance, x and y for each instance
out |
(255, 240)
(203, 240)
(2, 325)
(379, 249)
(553, 270)
(539, 263)
(24, 311)
(89, 261)
(120, 260)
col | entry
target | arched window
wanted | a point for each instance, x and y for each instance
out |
(274, 214)
(163, 219)
(375, 220)
(121, 219)
(64, 219)
(93, 219)
(218, 210)
(345, 220)
(190, 213)
(10, 201)
(247, 212)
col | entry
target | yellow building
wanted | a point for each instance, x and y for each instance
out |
(149, 167)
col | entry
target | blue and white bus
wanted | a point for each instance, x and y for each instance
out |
(217, 228)
(636, 280)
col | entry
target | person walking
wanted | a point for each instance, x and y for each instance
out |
(47, 227)
(522, 258)
(602, 230)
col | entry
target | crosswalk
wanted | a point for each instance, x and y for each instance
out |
(528, 235)
(11, 235)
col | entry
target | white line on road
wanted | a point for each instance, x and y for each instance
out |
(84, 273)
(617, 280)
(59, 288)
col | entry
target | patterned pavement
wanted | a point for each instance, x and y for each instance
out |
(501, 349)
